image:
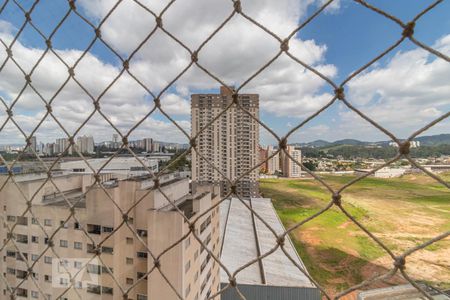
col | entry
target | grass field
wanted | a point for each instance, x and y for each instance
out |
(402, 212)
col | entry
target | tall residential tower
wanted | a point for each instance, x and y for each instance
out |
(230, 143)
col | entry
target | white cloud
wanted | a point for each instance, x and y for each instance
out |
(406, 93)
(235, 53)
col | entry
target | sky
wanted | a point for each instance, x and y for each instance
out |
(404, 91)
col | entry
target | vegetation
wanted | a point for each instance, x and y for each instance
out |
(339, 254)
(181, 162)
(360, 151)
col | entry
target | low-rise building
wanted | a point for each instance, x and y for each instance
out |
(92, 241)
(383, 172)
(122, 167)
(244, 239)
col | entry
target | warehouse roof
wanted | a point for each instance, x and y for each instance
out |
(245, 238)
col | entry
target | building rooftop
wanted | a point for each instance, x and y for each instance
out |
(245, 238)
(75, 196)
(402, 292)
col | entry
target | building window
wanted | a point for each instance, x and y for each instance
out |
(11, 271)
(94, 229)
(76, 225)
(129, 261)
(34, 257)
(63, 281)
(47, 259)
(34, 221)
(142, 232)
(141, 297)
(77, 264)
(63, 243)
(63, 224)
(108, 250)
(21, 238)
(142, 254)
(94, 269)
(47, 278)
(139, 275)
(129, 280)
(34, 294)
(78, 245)
(129, 240)
(34, 239)
(94, 289)
(108, 229)
(47, 222)
(107, 290)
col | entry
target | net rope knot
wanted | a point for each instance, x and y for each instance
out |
(283, 143)
(237, 6)
(232, 281)
(9, 52)
(337, 199)
(157, 102)
(72, 5)
(156, 183)
(404, 148)
(98, 33)
(280, 240)
(233, 189)
(193, 143)
(126, 64)
(408, 30)
(194, 56)
(284, 46)
(159, 21)
(157, 263)
(339, 93)
(400, 262)
(235, 98)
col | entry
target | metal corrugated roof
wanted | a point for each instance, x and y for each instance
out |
(245, 238)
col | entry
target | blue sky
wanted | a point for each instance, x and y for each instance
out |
(339, 40)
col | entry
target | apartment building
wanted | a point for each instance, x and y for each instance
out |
(96, 227)
(273, 162)
(85, 144)
(230, 143)
(289, 167)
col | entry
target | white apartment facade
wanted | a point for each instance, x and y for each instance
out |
(273, 163)
(289, 167)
